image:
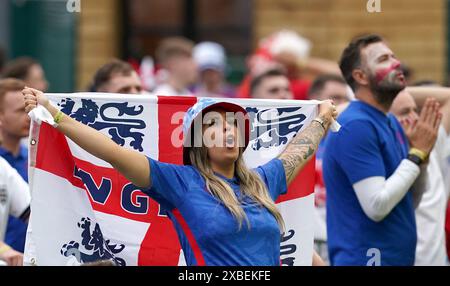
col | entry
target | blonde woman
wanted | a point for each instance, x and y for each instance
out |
(223, 212)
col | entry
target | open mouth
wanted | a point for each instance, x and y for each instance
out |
(229, 141)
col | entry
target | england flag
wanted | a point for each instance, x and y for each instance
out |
(83, 210)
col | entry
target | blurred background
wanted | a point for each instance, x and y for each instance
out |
(71, 46)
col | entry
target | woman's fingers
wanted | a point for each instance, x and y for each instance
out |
(36, 92)
(33, 90)
(30, 107)
(30, 92)
(30, 99)
(326, 109)
(27, 90)
(29, 96)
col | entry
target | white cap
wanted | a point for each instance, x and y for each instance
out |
(291, 42)
(210, 55)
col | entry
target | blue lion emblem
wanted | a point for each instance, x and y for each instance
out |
(118, 128)
(97, 248)
(287, 250)
(275, 123)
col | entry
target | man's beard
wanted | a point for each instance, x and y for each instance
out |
(385, 90)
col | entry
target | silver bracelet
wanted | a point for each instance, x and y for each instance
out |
(320, 121)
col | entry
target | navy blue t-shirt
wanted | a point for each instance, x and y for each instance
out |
(369, 144)
(208, 233)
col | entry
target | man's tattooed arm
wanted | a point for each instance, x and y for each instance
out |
(302, 148)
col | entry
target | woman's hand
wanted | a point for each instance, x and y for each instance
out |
(12, 257)
(133, 165)
(303, 146)
(33, 97)
(327, 112)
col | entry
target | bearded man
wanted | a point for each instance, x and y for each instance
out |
(371, 167)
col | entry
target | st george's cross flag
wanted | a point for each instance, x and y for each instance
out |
(83, 210)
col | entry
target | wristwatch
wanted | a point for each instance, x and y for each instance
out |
(417, 156)
(415, 159)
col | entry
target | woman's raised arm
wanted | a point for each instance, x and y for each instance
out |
(304, 144)
(133, 165)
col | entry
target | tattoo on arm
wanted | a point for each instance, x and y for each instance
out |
(301, 149)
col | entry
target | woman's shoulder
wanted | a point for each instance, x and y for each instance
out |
(187, 171)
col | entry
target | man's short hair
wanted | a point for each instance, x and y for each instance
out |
(107, 71)
(321, 81)
(18, 68)
(9, 85)
(351, 56)
(173, 46)
(256, 81)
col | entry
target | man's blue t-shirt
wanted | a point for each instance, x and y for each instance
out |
(16, 229)
(369, 144)
(208, 233)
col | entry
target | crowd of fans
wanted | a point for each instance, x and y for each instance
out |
(367, 193)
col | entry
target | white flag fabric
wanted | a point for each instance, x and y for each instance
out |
(83, 210)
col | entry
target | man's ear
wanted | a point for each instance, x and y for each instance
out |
(360, 77)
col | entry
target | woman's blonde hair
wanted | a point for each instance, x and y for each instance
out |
(251, 185)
